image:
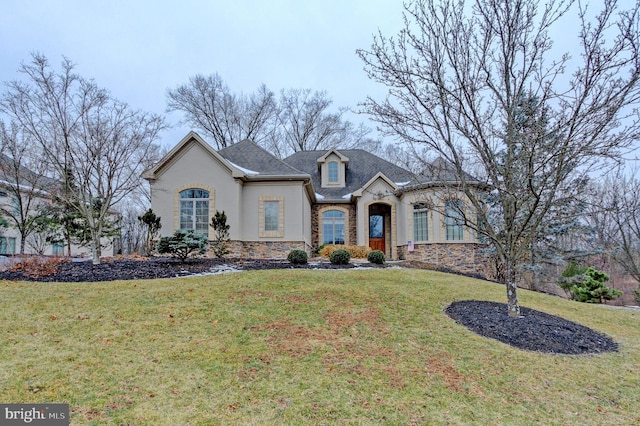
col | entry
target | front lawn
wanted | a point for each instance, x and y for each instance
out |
(302, 347)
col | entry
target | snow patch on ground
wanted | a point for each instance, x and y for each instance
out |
(216, 270)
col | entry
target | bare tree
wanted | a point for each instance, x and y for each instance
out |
(613, 216)
(305, 124)
(22, 175)
(299, 120)
(460, 77)
(95, 145)
(209, 105)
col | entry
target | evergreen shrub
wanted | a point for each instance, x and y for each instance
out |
(587, 284)
(298, 257)
(182, 244)
(340, 257)
(376, 256)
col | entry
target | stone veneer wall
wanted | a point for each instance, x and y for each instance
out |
(265, 249)
(466, 258)
(352, 230)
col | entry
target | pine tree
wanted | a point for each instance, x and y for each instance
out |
(221, 237)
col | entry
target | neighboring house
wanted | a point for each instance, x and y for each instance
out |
(40, 186)
(312, 198)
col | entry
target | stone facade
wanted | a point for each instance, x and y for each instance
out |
(465, 258)
(265, 249)
(350, 222)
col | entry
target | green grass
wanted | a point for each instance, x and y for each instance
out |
(302, 347)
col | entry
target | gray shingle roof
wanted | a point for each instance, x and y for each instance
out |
(362, 167)
(28, 177)
(250, 156)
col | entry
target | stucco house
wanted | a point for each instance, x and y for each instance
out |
(312, 198)
(35, 190)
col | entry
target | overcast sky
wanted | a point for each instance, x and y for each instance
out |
(137, 49)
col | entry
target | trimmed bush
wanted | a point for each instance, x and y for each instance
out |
(298, 257)
(358, 252)
(182, 244)
(376, 256)
(340, 257)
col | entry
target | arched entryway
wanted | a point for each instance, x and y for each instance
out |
(380, 227)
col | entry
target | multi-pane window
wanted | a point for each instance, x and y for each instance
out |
(194, 210)
(420, 222)
(57, 249)
(7, 245)
(333, 227)
(271, 216)
(332, 172)
(453, 220)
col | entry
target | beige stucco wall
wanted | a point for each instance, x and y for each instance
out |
(194, 167)
(296, 210)
(436, 218)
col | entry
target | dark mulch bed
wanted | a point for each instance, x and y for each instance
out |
(156, 267)
(533, 331)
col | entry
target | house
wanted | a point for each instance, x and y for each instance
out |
(18, 183)
(312, 198)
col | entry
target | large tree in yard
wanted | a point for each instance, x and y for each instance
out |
(94, 144)
(479, 84)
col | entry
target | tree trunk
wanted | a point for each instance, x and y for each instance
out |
(512, 290)
(22, 243)
(94, 253)
(95, 246)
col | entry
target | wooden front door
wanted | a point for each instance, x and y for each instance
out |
(376, 232)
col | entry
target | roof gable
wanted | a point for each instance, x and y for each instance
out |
(343, 158)
(186, 142)
(378, 177)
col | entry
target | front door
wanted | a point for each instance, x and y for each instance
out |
(376, 232)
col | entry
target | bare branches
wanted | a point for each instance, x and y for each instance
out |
(299, 120)
(96, 146)
(22, 177)
(209, 105)
(481, 87)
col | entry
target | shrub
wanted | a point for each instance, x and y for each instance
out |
(182, 244)
(340, 257)
(587, 285)
(38, 266)
(358, 252)
(221, 236)
(151, 223)
(376, 256)
(298, 257)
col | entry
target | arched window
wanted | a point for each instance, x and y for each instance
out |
(333, 227)
(332, 172)
(194, 210)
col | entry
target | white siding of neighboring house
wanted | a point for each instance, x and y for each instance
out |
(77, 251)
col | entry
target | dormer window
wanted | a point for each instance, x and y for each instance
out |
(332, 172)
(333, 169)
